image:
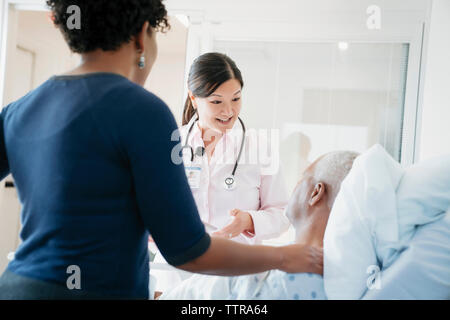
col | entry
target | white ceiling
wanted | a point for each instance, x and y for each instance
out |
(293, 10)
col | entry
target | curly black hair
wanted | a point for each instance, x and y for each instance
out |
(107, 24)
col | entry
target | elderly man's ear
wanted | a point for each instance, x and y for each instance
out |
(317, 194)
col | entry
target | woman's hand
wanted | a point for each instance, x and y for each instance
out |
(302, 258)
(242, 223)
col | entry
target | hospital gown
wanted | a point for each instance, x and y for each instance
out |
(278, 286)
(272, 285)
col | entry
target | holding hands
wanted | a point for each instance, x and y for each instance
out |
(294, 258)
(242, 223)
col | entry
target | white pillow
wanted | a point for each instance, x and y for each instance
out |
(362, 225)
(423, 270)
(375, 215)
(425, 191)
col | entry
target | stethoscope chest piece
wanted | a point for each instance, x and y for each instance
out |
(230, 183)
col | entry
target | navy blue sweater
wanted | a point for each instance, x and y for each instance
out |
(91, 159)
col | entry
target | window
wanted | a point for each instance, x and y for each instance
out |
(323, 96)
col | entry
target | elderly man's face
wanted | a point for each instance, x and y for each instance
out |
(298, 207)
(298, 203)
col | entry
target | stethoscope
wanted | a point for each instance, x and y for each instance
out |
(230, 181)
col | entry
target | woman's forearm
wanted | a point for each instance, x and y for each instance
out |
(228, 258)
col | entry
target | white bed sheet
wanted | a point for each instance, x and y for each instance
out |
(375, 216)
(423, 270)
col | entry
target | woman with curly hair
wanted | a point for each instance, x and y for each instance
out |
(90, 152)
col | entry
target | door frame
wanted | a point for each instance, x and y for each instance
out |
(5, 12)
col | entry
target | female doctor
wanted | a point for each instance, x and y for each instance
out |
(236, 199)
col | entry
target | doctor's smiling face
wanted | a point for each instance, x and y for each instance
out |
(220, 110)
(215, 88)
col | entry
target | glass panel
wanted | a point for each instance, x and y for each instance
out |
(322, 96)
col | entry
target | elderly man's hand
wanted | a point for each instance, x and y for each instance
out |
(242, 223)
(302, 258)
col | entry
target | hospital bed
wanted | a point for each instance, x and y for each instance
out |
(383, 220)
(396, 220)
(422, 271)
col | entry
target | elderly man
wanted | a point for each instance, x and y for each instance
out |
(376, 191)
(308, 211)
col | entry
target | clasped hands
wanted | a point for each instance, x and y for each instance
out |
(242, 223)
(296, 257)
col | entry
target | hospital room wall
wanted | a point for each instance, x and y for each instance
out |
(166, 79)
(168, 69)
(36, 51)
(434, 132)
(33, 56)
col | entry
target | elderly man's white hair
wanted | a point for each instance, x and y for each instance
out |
(331, 169)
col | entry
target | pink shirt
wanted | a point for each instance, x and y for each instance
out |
(260, 192)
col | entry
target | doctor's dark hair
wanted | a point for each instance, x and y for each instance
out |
(107, 24)
(207, 73)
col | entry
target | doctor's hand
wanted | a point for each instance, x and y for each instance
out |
(242, 223)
